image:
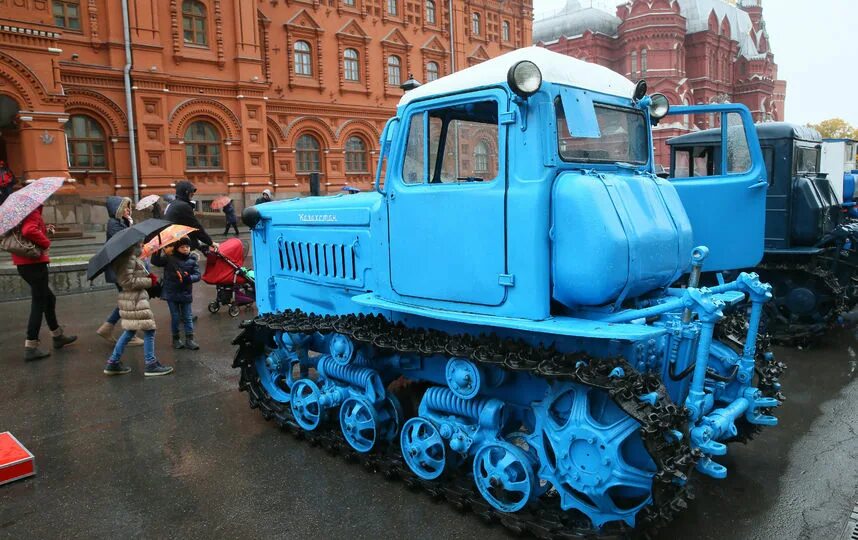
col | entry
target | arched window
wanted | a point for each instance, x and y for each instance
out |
(202, 146)
(643, 62)
(66, 14)
(394, 72)
(392, 8)
(303, 63)
(194, 22)
(86, 143)
(505, 31)
(475, 24)
(481, 157)
(356, 159)
(307, 154)
(634, 70)
(430, 12)
(351, 66)
(431, 71)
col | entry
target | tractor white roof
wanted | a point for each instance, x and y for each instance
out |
(556, 68)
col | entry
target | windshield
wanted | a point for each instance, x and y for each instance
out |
(623, 137)
(806, 160)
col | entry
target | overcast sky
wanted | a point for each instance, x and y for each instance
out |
(816, 48)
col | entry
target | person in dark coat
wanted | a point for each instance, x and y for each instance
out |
(119, 218)
(231, 221)
(181, 271)
(266, 197)
(34, 270)
(7, 180)
(181, 212)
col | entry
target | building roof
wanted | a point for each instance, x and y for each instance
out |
(556, 68)
(696, 13)
(574, 20)
(765, 131)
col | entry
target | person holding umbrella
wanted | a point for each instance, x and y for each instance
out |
(21, 218)
(181, 212)
(121, 253)
(119, 210)
(136, 313)
(225, 203)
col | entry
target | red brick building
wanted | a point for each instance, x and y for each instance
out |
(235, 95)
(693, 51)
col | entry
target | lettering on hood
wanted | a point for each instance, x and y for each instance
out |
(311, 218)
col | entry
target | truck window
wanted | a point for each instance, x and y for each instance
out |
(806, 160)
(694, 161)
(623, 138)
(452, 144)
(738, 153)
(682, 163)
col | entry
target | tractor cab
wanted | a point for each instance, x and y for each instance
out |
(801, 204)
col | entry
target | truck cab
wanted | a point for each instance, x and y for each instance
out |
(801, 203)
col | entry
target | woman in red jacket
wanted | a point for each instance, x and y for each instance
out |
(35, 273)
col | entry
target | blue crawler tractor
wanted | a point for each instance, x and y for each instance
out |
(810, 257)
(496, 321)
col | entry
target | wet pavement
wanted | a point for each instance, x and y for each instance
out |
(184, 456)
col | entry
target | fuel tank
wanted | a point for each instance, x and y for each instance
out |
(615, 236)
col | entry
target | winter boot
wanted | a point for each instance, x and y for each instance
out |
(60, 339)
(177, 341)
(32, 352)
(135, 342)
(154, 369)
(116, 368)
(106, 331)
(190, 343)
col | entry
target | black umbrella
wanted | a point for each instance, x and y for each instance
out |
(120, 242)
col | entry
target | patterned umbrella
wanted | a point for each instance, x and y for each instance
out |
(220, 202)
(164, 238)
(147, 201)
(21, 203)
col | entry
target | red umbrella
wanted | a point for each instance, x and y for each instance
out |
(220, 202)
(147, 201)
(21, 203)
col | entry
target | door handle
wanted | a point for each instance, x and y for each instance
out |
(759, 185)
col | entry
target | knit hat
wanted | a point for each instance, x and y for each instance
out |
(183, 241)
(267, 192)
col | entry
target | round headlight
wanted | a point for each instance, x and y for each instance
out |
(524, 78)
(659, 106)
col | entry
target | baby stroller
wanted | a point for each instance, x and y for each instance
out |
(225, 270)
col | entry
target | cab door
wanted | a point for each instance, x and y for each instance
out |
(727, 208)
(446, 191)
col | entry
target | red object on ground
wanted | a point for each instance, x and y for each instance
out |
(16, 462)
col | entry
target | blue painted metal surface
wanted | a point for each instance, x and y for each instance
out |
(576, 255)
(727, 211)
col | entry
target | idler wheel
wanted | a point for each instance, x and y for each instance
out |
(504, 475)
(306, 404)
(359, 423)
(423, 449)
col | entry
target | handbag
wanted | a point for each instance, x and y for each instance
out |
(15, 243)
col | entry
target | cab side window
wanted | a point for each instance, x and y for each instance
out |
(453, 144)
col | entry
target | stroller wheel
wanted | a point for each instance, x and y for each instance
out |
(233, 310)
(214, 307)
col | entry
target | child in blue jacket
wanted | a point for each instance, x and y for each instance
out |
(181, 271)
